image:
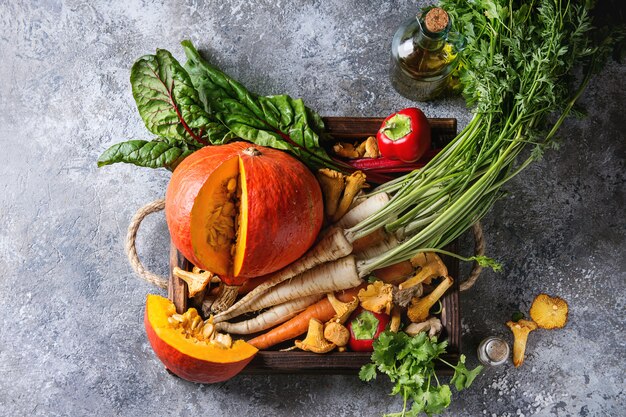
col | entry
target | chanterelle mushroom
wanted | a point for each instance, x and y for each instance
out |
(431, 266)
(354, 183)
(432, 326)
(419, 309)
(332, 184)
(342, 310)
(377, 297)
(371, 148)
(314, 340)
(549, 312)
(520, 331)
(346, 150)
(196, 282)
(336, 333)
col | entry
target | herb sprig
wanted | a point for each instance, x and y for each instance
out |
(409, 362)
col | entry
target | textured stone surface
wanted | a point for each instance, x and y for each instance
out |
(71, 333)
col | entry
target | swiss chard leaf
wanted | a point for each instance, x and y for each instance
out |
(279, 122)
(159, 153)
(169, 104)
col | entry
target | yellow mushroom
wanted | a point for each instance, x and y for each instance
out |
(431, 266)
(214, 278)
(549, 312)
(347, 150)
(370, 148)
(396, 318)
(433, 326)
(196, 282)
(314, 340)
(419, 309)
(520, 331)
(354, 183)
(332, 184)
(336, 333)
(342, 310)
(377, 297)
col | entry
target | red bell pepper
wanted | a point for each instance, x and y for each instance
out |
(404, 135)
(365, 326)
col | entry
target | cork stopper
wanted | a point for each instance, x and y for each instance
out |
(436, 20)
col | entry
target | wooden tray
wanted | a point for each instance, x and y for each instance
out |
(276, 362)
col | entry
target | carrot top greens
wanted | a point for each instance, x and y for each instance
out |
(516, 73)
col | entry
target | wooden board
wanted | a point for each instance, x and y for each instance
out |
(276, 362)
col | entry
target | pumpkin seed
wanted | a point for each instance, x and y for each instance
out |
(195, 322)
(232, 184)
(208, 330)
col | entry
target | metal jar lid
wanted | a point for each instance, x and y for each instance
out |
(493, 351)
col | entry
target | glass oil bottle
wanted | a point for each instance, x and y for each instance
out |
(424, 53)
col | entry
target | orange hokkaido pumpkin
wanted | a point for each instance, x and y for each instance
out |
(242, 210)
(186, 356)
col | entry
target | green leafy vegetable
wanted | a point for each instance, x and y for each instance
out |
(154, 154)
(463, 377)
(200, 105)
(277, 121)
(169, 104)
(409, 362)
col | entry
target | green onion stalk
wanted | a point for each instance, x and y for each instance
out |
(517, 73)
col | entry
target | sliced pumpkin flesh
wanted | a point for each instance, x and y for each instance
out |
(241, 221)
(213, 231)
(188, 338)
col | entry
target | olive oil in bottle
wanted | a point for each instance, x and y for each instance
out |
(424, 54)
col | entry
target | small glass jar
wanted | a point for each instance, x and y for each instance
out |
(424, 53)
(493, 351)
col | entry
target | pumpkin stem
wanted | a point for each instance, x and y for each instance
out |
(225, 299)
(252, 151)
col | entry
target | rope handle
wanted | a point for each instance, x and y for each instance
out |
(161, 282)
(131, 248)
(479, 250)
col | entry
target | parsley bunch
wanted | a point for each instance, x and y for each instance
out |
(410, 364)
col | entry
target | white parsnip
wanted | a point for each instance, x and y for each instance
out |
(363, 210)
(271, 317)
(372, 251)
(329, 277)
(333, 246)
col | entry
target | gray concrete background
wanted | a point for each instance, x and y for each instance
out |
(71, 335)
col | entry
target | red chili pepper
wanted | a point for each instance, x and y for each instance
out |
(384, 165)
(404, 135)
(365, 326)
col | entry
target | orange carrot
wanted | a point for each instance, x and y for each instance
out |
(370, 240)
(396, 273)
(322, 310)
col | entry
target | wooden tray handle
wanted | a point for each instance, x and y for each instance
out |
(161, 282)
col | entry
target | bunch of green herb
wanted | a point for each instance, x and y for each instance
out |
(516, 72)
(197, 105)
(409, 362)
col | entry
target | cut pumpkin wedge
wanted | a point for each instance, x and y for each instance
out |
(191, 356)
